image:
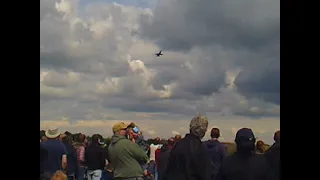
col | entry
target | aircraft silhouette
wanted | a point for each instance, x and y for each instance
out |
(159, 54)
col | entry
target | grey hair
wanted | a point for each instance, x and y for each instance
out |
(199, 126)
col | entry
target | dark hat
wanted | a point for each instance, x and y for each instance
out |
(245, 135)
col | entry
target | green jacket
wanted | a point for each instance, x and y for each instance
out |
(126, 157)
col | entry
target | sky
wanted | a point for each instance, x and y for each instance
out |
(221, 59)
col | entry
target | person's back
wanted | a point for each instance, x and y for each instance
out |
(56, 150)
(273, 157)
(71, 158)
(188, 159)
(126, 157)
(244, 164)
(216, 151)
(163, 158)
(95, 159)
(217, 154)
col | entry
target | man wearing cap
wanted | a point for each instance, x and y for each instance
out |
(125, 155)
(56, 153)
(244, 164)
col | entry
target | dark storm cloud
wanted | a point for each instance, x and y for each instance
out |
(246, 31)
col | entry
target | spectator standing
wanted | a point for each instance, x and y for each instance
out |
(56, 153)
(125, 155)
(79, 146)
(244, 164)
(71, 158)
(188, 159)
(273, 156)
(216, 151)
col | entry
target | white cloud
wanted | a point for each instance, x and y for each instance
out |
(96, 62)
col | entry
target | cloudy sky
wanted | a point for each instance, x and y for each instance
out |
(221, 59)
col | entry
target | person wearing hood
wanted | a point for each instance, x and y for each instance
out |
(125, 155)
(273, 156)
(244, 164)
(188, 158)
(216, 151)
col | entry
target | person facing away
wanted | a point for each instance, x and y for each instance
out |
(95, 158)
(273, 156)
(79, 146)
(56, 153)
(71, 158)
(162, 158)
(188, 158)
(244, 164)
(260, 148)
(216, 151)
(125, 156)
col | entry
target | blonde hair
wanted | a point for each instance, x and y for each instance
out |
(59, 175)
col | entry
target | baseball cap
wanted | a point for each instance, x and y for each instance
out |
(119, 126)
(245, 135)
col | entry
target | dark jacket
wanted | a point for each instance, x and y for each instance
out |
(71, 160)
(188, 161)
(216, 152)
(163, 159)
(95, 157)
(43, 157)
(273, 158)
(240, 166)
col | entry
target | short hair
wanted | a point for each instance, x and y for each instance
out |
(215, 133)
(199, 126)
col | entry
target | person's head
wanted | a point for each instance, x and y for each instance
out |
(67, 140)
(61, 136)
(260, 145)
(215, 133)
(52, 133)
(245, 140)
(199, 126)
(120, 128)
(171, 141)
(97, 139)
(164, 142)
(44, 138)
(276, 136)
(177, 137)
(156, 140)
(59, 175)
(81, 138)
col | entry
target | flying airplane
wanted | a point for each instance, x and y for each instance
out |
(159, 54)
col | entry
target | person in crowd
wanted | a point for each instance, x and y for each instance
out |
(188, 158)
(71, 158)
(177, 138)
(273, 156)
(216, 151)
(244, 164)
(260, 149)
(43, 157)
(152, 157)
(95, 158)
(59, 175)
(125, 155)
(80, 147)
(56, 153)
(162, 158)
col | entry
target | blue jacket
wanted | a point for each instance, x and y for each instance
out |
(216, 152)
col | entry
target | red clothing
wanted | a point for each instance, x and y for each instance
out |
(157, 155)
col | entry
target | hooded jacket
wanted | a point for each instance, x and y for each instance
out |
(216, 151)
(126, 157)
